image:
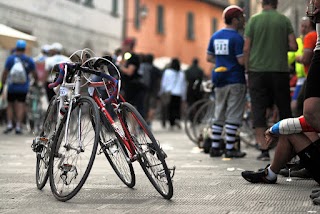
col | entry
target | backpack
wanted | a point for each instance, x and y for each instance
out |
(18, 74)
(145, 75)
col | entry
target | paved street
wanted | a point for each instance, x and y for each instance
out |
(201, 184)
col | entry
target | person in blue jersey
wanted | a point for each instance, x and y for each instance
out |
(225, 50)
(16, 72)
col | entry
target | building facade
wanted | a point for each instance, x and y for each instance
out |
(169, 28)
(76, 24)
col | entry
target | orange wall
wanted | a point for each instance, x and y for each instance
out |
(174, 42)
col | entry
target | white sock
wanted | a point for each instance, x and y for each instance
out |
(271, 175)
(229, 146)
(9, 124)
(18, 126)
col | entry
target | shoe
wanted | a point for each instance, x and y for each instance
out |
(8, 130)
(206, 146)
(264, 156)
(315, 190)
(234, 154)
(301, 173)
(178, 124)
(258, 177)
(19, 131)
(284, 172)
(215, 152)
(314, 195)
(316, 201)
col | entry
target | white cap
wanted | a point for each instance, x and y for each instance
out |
(56, 46)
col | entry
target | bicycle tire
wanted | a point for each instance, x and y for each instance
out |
(86, 114)
(203, 120)
(151, 156)
(188, 121)
(116, 153)
(43, 156)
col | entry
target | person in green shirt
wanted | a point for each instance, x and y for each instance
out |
(268, 38)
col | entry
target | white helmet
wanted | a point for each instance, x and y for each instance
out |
(232, 11)
(56, 46)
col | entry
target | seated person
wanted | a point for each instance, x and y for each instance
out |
(295, 137)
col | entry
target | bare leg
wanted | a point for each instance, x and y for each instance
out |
(259, 132)
(10, 112)
(20, 110)
(283, 153)
(288, 146)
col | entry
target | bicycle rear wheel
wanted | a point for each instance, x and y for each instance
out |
(151, 156)
(203, 120)
(188, 121)
(73, 153)
(116, 153)
(44, 145)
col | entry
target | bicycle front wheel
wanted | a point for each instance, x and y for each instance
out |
(47, 135)
(116, 153)
(151, 156)
(74, 149)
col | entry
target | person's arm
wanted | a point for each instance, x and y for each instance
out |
(306, 57)
(3, 79)
(128, 70)
(33, 70)
(246, 52)
(5, 73)
(211, 51)
(211, 59)
(309, 44)
(240, 60)
(317, 5)
(293, 46)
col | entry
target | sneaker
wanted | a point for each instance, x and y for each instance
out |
(301, 173)
(316, 201)
(233, 153)
(8, 130)
(215, 152)
(19, 131)
(284, 172)
(258, 177)
(264, 156)
(315, 190)
(314, 195)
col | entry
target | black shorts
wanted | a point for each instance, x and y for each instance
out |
(266, 89)
(310, 159)
(20, 97)
(312, 85)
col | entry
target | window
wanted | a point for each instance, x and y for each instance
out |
(160, 19)
(214, 25)
(190, 26)
(137, 14)
(114, 8)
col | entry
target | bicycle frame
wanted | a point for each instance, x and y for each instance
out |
(122, 132)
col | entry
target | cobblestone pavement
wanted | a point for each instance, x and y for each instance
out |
(201, 184)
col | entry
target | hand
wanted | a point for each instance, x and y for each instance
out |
(270, 137)
(317, 5)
